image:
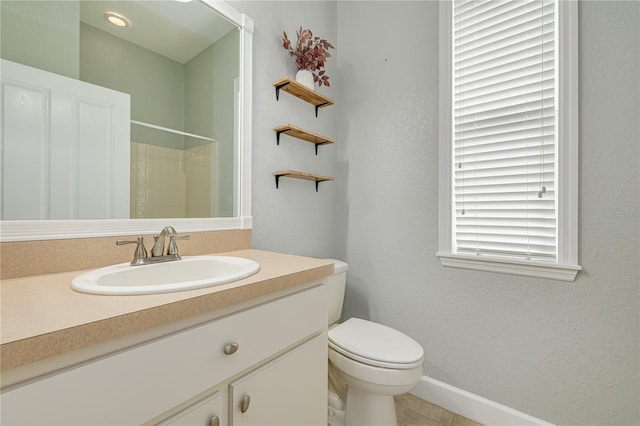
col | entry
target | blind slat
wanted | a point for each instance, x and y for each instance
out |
(489, 106)
(539, 140)
(509, 57)
(526, 80)
(517, 37)
(522, 75)
(495, 126)
(524, 15)
(533, 62)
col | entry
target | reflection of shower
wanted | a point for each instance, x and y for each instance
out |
(169, 181)
(176, 132)
(177, 100)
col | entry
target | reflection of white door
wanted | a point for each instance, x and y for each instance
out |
(65, 147)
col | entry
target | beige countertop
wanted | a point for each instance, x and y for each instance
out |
(41, 316)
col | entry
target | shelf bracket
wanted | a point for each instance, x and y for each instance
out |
(318, 144)
(278, 90)
(320, 106)
(278, 132)
(320, 180)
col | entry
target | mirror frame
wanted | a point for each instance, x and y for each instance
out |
(30, 230)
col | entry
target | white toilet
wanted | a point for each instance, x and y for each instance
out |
(374, 362)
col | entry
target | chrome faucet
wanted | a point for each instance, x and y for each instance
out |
(158, 253)
(158, 247)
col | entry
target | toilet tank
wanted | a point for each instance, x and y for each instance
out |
(336, 285)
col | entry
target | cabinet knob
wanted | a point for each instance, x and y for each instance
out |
(244, 404)
(231, 348)
(214, 421)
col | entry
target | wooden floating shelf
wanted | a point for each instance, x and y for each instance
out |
(301, 91)
(299, 133)
(300, 175)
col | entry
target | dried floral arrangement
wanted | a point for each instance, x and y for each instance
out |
(310, 53)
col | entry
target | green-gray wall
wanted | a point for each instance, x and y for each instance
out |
(155, 82)
(41, 34)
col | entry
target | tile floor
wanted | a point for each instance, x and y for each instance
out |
(412, 411)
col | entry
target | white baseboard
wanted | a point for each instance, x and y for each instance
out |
(472, 406)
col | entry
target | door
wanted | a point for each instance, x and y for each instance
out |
(65, 147)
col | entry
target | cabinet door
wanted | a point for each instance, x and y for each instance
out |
(290, 390)
(210, 411)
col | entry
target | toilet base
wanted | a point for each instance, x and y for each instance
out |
(336, 410)
(369, 390)
(366, 409)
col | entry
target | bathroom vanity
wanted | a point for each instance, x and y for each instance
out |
(253, 351)
(249, 352)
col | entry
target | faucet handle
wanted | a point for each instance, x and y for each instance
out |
(140, 254)
(173, 247)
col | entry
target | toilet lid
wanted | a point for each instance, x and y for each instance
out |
(375, 344)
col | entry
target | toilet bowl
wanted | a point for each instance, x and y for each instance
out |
(372, 361)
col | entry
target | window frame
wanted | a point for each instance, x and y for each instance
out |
(566, 267)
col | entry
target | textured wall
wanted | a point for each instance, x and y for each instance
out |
(292, 219)
(564, 352)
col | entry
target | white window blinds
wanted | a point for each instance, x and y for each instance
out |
(504, 128)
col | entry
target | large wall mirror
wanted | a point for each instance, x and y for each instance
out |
(120, 117)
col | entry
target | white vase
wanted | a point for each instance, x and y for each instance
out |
(305, 77)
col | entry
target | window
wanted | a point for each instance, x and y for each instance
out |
(508, 137)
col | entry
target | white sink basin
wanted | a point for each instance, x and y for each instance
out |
(186, 274)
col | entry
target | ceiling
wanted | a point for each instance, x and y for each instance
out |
(171, 28)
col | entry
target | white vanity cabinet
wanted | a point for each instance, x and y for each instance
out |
(275, 353)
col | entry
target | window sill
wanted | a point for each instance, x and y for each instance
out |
(513, 267)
